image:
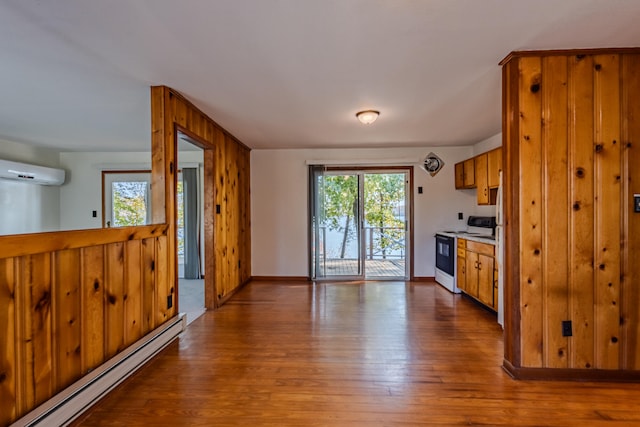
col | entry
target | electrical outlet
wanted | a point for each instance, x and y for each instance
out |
(636, 202)
(566, 328)
(170, 301)
(460, 216)
(419, 190)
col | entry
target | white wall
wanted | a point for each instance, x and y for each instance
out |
(488, 144)
(83, 192)
(24, 207)
(279, 203)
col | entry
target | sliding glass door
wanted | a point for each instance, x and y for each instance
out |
(336, 249)
(359, 224)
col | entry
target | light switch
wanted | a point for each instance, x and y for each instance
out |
(636, 203)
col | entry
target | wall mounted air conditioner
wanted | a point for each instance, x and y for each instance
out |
(31, 173)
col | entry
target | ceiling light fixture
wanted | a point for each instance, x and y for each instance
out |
(367, 116)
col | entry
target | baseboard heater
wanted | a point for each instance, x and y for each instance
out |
(70, 403)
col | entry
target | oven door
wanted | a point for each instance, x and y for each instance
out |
(444, 254)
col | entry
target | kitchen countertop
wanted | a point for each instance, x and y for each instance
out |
(475, 237)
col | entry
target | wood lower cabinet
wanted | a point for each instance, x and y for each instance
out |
(460, 266)
(477, 266)
(485, 280)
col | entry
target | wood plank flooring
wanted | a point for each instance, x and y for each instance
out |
(352, 354)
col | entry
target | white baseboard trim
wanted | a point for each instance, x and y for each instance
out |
(70, 403)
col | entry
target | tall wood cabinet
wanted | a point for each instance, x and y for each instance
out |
(571, 129)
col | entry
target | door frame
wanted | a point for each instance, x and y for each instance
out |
(211, 300)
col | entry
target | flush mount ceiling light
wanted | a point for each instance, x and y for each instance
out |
(368, 116)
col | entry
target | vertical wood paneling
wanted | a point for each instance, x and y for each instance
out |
(167, 260)
(210, 220)
(581, 249)
(511, 210)
(158, 154)
(590, 235)
(220, 253)
(531, 302)
(229, 162)
(148, 285)
(630, 290)
(8, 361)
(556, 223)
(233, 215)
(67, 314)
(607, 210)
(246, 216)
(114, 295)
(162, 281)
(38, 328)
(93, 312)
(133, 288)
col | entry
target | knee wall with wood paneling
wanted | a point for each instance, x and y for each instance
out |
(69, 301)
(571, 134)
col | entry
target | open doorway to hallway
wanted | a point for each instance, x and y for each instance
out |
(190, 229)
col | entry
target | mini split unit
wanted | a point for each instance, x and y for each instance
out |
(31, 173)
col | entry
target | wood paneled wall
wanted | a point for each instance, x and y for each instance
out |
(227, 190)
(571, 133)
(71, 300)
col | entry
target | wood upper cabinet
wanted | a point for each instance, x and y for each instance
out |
(469, 173)
(459, 171)
(465, 174)
(494, 166)
(482, 184)
(481, 172)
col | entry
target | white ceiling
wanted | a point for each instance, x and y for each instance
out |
(75, 74)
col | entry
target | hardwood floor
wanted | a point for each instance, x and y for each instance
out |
(374, 354)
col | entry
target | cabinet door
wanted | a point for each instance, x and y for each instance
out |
(471, 274)
(469, 173)
(461, 276)
(459, 169)
(485, 268)
(494, 167)
(481, 179)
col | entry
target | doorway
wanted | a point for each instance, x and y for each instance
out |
(190, 228)
(360, 223)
